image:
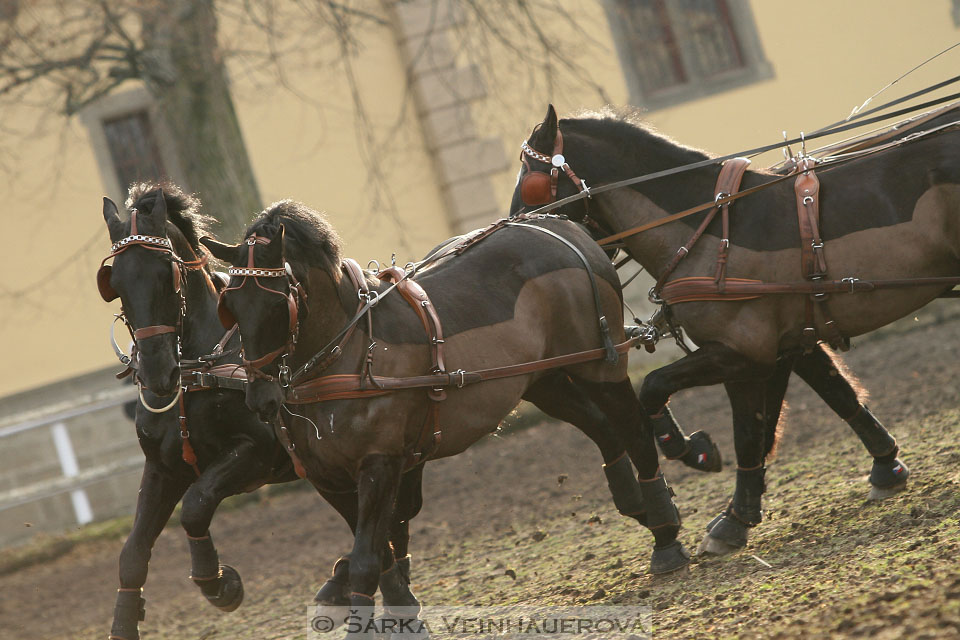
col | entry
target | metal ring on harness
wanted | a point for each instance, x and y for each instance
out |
(124, 358)
(166, 408)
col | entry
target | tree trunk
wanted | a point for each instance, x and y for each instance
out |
(184, 71)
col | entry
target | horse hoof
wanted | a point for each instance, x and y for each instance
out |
(401, 627)
(887, 479)
(711, 546)
(330, 616)
(231, 590)
(670, 558)
(882, 493)
(702, 454)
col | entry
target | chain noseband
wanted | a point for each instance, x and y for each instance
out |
(540, 187)
(294, 295)
(178, 265)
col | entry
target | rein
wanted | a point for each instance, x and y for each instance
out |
(750, 152)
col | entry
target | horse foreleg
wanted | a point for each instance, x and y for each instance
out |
(333, 598)
(159, 493)
(228, 475)
(378, 481)
(748, 400)
(888, 475)
(399, 602)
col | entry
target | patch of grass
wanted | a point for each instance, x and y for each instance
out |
(45, 548)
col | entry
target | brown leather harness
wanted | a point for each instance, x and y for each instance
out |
(367, 385)
(813, 266)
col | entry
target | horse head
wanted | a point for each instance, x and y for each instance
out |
(147, 276)
(547, 173)
(266, 301)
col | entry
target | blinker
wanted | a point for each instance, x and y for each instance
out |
(107, 291)
(536, 188)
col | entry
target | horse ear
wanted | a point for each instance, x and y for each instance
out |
(111, 216)
(550, 122)
(275, 251)
(225, 252)
(159, 210)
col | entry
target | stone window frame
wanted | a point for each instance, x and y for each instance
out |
(117, 105)
(756, 66)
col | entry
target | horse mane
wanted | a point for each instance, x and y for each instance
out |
(625, 129)
(183, 209)
(308, 236)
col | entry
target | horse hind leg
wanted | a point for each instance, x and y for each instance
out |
(825, 375)
(560, 398)
(623, 410)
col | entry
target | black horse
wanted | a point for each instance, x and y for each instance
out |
(219, 448)
(600, 150)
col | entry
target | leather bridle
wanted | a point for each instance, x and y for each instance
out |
(540, 187)
(294, 295)
(178, 267)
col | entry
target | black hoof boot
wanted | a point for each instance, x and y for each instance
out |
(128, 611)
(670, 558)
(333, 598)
(627, 496)
(702, 454)
(887, 479)
(229, 589)
(399, 626)
(401, 609)
(725, 534)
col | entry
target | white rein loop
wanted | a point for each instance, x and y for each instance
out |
(146, 406)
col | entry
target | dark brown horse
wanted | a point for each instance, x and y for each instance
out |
(885, 216)
(517, 295)
(169, 298)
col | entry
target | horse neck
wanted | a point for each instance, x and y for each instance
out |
(625, 209)
(605, 158)
(327, 300)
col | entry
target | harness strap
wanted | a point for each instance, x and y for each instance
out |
(611, 355)
(731, 174)
(188, 454)
(342, 386)
(813, 261)
(153, 330)
(704, 288)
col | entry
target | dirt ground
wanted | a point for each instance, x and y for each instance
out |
(839, 567)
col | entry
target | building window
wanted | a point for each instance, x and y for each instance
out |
(684, 49)
(133, 148)
(130, 141)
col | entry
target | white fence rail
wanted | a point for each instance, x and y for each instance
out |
(67, 466)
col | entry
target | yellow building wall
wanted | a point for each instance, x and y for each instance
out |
(826, 59)
(52, 321)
